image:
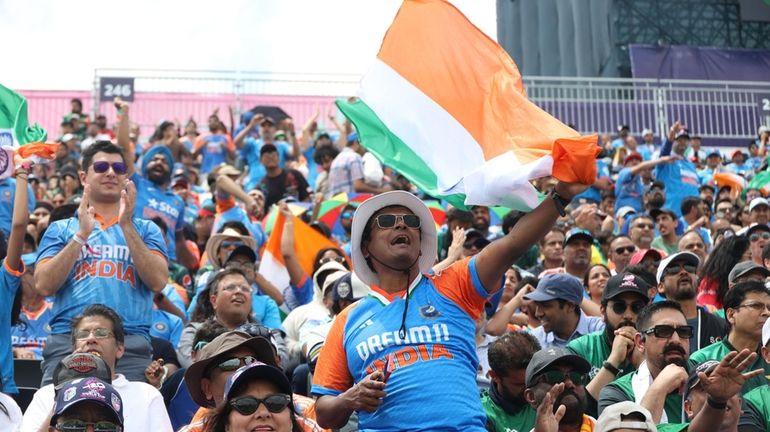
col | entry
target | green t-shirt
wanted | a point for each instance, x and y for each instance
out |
(621, 390)
(660, 244)
(673, 427)
(500, 420)
(595, 348)
(718, 351)
(759, 399)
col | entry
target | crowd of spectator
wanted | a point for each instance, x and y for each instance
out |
(141, 287)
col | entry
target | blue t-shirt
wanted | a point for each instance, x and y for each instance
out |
(166, 326)
(706, 176)
(7, 194)
(152, 201)
(745, 169)
(312, 167)
(628, 191)
(250, 152)
(214, 152)
(439, 344)
(32, 333)
(593, 194)
(680, 177)
(105, 275)
(9, 284)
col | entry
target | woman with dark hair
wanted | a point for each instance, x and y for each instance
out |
(713, 273)
(257, 397)
(595, 280)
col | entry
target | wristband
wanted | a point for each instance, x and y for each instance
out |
(610, 368)
(560, 202)
(79, 240)
(716, 405)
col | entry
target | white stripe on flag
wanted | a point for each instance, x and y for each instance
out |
(274, 271)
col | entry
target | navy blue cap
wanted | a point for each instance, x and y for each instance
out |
(88, 389)
(578, 233)
(561, 286)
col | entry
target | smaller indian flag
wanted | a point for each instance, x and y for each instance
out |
(445, 106)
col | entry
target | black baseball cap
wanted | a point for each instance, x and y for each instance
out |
(693, 380)
(80, 365)
(242, 250)
(546, 357)
(267, 148)
(578, 233)
(623, 283)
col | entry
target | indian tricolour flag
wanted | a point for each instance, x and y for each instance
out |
(444, 105)
(17, 136)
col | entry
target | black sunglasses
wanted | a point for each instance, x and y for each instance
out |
(674, 269)
(235, 363)
(755, 237)
(82, 426)
(556, 377)
(248, 405)
(101, 167)
(665, 331)
(386, 221)
(619, 307)
(627, 249)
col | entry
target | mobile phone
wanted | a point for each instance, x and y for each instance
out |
(388, 368)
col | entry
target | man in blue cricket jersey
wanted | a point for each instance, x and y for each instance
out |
(680, 176)
(393, 352)
(102, 255)
(154, 198)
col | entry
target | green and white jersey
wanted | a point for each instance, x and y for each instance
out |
(622, 390)
(595, 348)
(756, 410)
(500, 420)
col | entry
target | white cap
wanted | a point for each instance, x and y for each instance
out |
(616, 416)
(624, 211)
(763, 129)
(766, 333)
(646, 131)
(67, 137)
(687, 256)
(758, 201)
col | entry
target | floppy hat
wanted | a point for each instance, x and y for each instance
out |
(212, 247)
(625, 415)
(364, 212)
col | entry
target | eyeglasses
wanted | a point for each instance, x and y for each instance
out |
(102, 167)
(619, 307)
(644, 226)
(235, 363)
(81, 426)
(664, 331)
(628, 249)
(755, 306)
(99, 333)
(725, 209)
(231, 244)
(755, 237)
(385, 221)
(248, 405)
(556, 377)
(675, 269)
(238, 287)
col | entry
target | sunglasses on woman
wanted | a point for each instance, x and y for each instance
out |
(386, 221)
(248, 405)
(101, 167)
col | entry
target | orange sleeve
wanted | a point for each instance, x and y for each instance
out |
(198, 143)
(332, 373)
(230, 143)
(19, 272)
(461, 284)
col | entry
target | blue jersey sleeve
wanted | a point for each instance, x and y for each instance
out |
(271, 317)
(152, 237)
(665, 148)
(54, 240)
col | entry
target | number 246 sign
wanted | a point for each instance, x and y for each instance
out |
(764, 103)
(110, 88)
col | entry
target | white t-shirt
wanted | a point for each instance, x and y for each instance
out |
(13, 423)
(143, 407)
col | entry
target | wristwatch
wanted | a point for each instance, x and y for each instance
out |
(560, 202)
(610, 368)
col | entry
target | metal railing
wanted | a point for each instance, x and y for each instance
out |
(726, 112)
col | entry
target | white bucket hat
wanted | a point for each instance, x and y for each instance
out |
(214, 243)
(364, 212)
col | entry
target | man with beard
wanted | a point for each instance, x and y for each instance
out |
(640, 229)
(677, 281)
(666, 221)
(557, 306)
(154, 198)
(557, 378)
(663, 340)
(504, 402)
(621, 251)
(759, 236)
(610, 351)
(747, 308)
(655, 196)
(481, 222)
(577, 252)
(680, 176)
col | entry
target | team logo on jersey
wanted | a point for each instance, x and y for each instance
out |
(160, 327)
(429, 312)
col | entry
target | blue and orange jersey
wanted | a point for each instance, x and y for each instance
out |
(10, 280)
(433, 367)
(217, 147)
(103, 273)
(32, 333)
(153, 201)
(7, 194)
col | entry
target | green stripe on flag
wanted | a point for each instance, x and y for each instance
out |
(14, 125)
(389, 149)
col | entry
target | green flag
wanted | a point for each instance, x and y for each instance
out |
(14, 124)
